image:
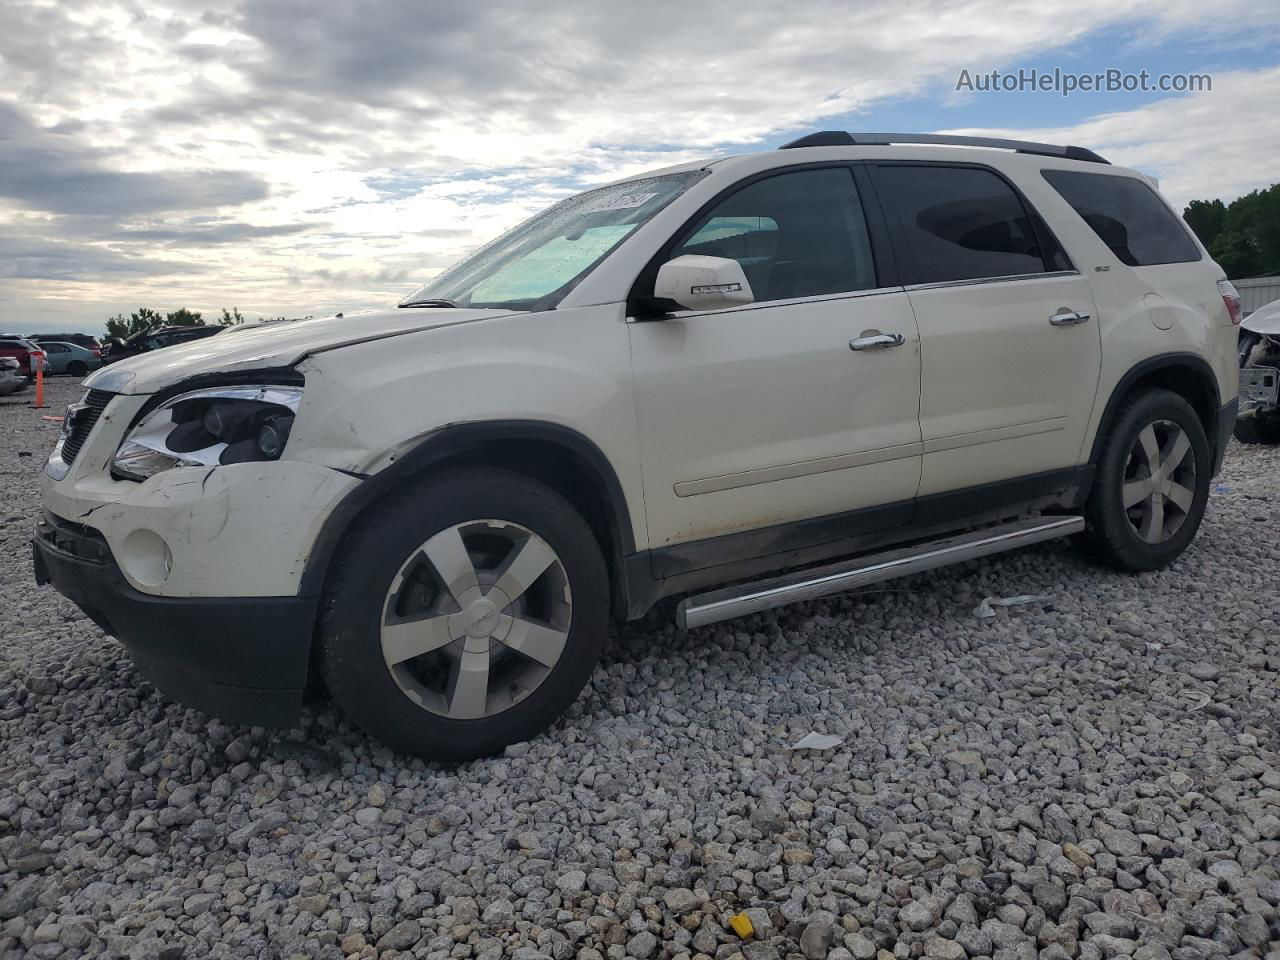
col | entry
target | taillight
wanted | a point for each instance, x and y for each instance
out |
(97, 353)
(1231, 298)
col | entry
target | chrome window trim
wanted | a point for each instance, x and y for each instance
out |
(974, 281)
(764, 304)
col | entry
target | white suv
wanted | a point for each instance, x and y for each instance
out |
(851, 358)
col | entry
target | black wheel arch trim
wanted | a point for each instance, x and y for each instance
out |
(1163, 361)
(457, 439)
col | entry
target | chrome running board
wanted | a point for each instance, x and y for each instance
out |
(705, 608)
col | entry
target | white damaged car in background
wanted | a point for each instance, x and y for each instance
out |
(1259, 420)
(11, 379)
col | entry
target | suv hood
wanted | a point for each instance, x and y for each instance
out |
(272, 345)
(1265, 320)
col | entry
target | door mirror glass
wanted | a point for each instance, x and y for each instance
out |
(703, 283)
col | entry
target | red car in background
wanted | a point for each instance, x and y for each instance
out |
(25, 352)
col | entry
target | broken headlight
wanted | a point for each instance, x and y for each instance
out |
(218, 425)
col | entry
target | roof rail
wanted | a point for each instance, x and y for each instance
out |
(841, 138)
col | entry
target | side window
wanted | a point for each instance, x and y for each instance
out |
(962, 223)
(1127, 216)
(798, 234)
(749, 240)
(52, 347)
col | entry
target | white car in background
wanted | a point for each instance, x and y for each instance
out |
(1259, 420)
(11, 378)
(851, 358)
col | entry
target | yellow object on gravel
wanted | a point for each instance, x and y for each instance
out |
(741, 925)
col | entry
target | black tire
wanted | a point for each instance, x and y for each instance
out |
(1258, 429)
(77, 368)
(351, 652)
(1110, 535)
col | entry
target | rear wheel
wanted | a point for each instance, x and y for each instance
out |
(77, 368)
(467, 614)
(1151, 485)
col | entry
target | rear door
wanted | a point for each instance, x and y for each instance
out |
(1010, 350)
(59, 355)
(762, 415)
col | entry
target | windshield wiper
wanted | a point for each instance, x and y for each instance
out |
(436, 302)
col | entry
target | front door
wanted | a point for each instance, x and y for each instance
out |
(762, 415)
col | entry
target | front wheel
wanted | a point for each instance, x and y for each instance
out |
(1151, 485)
(467, 613)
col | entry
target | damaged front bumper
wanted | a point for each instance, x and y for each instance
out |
(241, 658)
(239, 530)
(197, 570)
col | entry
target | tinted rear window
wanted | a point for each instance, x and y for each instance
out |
(1127, 216)
(961, 223)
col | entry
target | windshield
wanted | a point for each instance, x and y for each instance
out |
(533, 266)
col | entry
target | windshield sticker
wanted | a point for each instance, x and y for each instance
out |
(627, 201)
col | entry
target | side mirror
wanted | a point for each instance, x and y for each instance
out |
(703, 283)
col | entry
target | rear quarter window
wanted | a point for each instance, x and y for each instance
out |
(1127, 215)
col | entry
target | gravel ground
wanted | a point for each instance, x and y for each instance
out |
(1095, 775)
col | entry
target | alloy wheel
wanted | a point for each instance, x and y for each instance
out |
(476, 618)
(1159, 481)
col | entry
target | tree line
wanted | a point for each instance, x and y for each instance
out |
(144, 318)
(1243, 235)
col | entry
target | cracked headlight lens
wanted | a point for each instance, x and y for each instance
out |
(217, 425)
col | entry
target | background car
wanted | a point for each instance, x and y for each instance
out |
(71, 358)
(1259, 353)
(80, 339)
(24, 351)
(147, 340)
(11, 381)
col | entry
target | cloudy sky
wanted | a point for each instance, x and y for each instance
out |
(294, 156)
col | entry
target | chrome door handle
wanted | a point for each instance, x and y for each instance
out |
(877, 341)
(1068, 318)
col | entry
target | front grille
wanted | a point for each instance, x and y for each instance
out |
(83, 416)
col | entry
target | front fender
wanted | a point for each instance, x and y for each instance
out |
(566, 372)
